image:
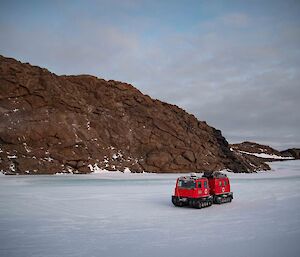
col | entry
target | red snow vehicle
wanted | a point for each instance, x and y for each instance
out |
(199, 192)
(219, 187)
(192, 191)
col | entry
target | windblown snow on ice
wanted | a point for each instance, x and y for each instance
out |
(116, 214)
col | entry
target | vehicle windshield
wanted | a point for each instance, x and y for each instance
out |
(187, 183)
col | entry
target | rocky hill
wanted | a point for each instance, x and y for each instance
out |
(80, 124)
(262, 152)
(252, 147)
(292, 152)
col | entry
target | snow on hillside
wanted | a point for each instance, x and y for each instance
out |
(268, 156)
(131, 215)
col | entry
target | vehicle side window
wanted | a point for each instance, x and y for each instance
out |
(199, 185)
(224, 183)
(220, 183)
(205, 184)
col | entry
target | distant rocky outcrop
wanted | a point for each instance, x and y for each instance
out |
(259, 152)
(252, 147)
(79, 124)
(292, 152)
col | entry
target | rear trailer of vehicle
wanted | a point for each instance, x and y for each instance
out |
(219, 185)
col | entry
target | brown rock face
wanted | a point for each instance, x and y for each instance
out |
(252, 147)
(245, 149)
(292, 152)
(77, 124)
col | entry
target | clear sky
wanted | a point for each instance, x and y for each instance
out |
(233, 63)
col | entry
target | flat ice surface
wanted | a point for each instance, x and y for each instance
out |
(132, 215)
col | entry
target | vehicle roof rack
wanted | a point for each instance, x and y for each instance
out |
(191, 176)
(214, 174)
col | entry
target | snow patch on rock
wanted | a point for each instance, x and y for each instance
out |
(95, 169)
(127, 170)
(268, 156)
(12, 167)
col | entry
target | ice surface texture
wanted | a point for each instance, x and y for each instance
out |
(132, 215)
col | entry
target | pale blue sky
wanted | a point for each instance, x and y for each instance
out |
(235, 64)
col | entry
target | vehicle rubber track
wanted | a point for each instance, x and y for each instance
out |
(222, 199)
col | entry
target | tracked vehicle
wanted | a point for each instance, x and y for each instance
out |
(200, 192)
